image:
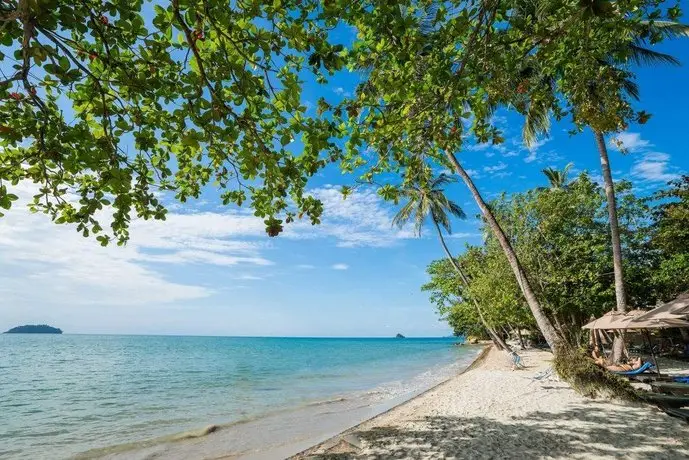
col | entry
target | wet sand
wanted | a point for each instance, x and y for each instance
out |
(491, 412)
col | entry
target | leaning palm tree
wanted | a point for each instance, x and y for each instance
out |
(370, 90)
(558, 177)
(426, 199)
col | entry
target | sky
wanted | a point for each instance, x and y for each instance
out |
(211, 269)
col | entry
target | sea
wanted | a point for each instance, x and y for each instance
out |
(92, 396)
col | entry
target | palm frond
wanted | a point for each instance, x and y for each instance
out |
(422, 210)
(440, 216)
(403, 215)
(645, 56)
(456, 211)
(631, 88)
(565, 170)
(442, 180)
(668, 29)
(558, 178)
(536, 123)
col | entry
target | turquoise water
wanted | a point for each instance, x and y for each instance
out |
(61, 395)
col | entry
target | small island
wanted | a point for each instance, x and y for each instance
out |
(34, 329)
(399, 336)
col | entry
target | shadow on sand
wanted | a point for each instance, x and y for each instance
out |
(537, 435)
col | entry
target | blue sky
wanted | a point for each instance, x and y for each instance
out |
(211, 270)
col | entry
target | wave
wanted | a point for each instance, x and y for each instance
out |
(391, 392)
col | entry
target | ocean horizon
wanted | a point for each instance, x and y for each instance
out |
(94, 395)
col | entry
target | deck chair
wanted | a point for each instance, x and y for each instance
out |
(679, 413)
(516, 361)
(645, 367)
(665, 401)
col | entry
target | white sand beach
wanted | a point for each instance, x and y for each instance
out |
(493, 412)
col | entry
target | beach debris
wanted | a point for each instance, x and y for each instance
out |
(345, 444)
(546, 374)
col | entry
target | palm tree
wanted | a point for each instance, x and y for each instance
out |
(538, 121)
(640, 55)
(558, 177)
(427, 199)
(554, 339)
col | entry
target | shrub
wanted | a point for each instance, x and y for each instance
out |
(575, 367)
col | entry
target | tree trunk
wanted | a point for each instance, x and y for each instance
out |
(620, 292)
(685, 334)
(493, 335)
(521, 338)
(551, 336)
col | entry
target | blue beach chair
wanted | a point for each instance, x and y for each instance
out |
(516, 361)
(646, 367)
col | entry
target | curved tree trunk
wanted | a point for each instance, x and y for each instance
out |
(493, 335)
(620, 292)
(554, 339)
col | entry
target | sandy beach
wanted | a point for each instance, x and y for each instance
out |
(490, 411)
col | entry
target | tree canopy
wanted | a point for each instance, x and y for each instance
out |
(562, 238)
(116, 101)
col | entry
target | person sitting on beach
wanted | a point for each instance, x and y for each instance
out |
(633, 365)
(598, 358)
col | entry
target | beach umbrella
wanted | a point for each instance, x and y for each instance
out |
(637, 319)
(678, 307)
(605, 321)
(645, 325)
(613, 320)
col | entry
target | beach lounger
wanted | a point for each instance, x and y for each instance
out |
(516, 361)
(665, 401)
(648, 378)
(679, 413)
(674, 388)
(645, 367)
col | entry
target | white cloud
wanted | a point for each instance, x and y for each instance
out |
(306, 266)
(653, 167)
(341, 92)
(495, 168)
(479, 147)
(539, 143)
(362, 219)
(73, 270)
(511, 153)
(533, 156)
(249, 277)
(340, 267)
(629, 141)
(464, 235)
(473, 173)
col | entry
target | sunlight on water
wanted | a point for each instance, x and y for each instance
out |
(73, 393)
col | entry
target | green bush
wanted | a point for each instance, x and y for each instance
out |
(575, 367)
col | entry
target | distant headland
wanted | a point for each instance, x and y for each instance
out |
(399, 336)
(34, 329)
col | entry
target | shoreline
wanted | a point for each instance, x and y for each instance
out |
(333, 440)
(287, 432)
(490, 411)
